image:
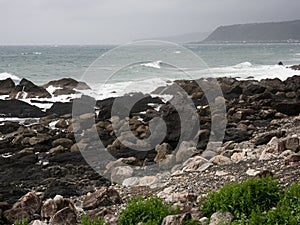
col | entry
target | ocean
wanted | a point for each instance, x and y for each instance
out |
(41, 64)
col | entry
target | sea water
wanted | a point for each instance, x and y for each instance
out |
(41, 64)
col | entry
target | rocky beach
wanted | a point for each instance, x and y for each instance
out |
(45, 178)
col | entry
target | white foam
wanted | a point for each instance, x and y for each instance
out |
(155, 64)
(297, 54)
(5, 75)
(243, 65)
(51, 89)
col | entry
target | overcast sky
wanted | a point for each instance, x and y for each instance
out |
(119, 21)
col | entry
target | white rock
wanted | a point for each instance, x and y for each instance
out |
(252, 172)
(131, 181)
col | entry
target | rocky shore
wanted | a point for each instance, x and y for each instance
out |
(45, 179)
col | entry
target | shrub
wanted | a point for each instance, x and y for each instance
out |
(242, 199)
(87, 221)
(22, 222)
(192, 222)
(150, 211)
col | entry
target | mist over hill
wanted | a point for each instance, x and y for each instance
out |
(288, 31)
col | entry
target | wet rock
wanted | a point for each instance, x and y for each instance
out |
(40, 138)
(7, 127)
(31, 90)
(102, 197)
(26, 207)
(60, 108)
(63, 188)
(67, 84)
(16, 108)
(6, 86)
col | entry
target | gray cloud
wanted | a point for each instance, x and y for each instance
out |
(118, 21)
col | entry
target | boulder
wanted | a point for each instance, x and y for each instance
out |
(6, 86)
(31, 90)
(16, 108)
(7, 127)
(65, 142)
(120, 173)
(162, 150)
(68, 84)
(25, 207)
(65, 216)
(40, 138)
(290, 108)
(221, 218)
(176, 219)
(105, 196)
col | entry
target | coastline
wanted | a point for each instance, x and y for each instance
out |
(40, 154)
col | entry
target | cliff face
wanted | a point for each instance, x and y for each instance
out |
(257, 32)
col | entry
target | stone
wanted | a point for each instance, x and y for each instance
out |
(288, 108)
(20, 109)
(292, 144)
(131, 181)
(31, 90)
(25, 207)
(120, 173)
(224, 218)
(40, 138)
(148, 180)
(185, 151)
(208, 154)
(162, 150)
(220, 160)
(193, 163)
(6, 86)
(252, 172)
(61, 123)
(105, 196)
(68, 84)
(65, 142)
(290, 159)
(57, 150)
(176, 219)
(65, 216)
(38, 222)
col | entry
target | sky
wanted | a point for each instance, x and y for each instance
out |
(36, 22)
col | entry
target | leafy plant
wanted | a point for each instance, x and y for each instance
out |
(22, 222)
(85, 220)
(192, 222)
(241, 199)
(150, 211)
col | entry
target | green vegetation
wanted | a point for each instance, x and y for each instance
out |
(150, 211)
(192, 222)
(85, 220)
(22, 222)
(256, 201)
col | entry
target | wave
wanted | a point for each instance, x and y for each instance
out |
(155, 64)
(243, 65)
(297, 54)
(5, 75)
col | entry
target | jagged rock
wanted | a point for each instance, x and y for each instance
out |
(65, 216)
(292, 144)
(25, 207)
(193, 163)
(31, 90)
(6, 86)
(102, 197)
(162, 150)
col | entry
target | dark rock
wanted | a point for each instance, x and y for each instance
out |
(102, 197)
(292, 83)
(68, 83)
(32, 90)
(254, 88)
(295, 67)
(265, 138)
(60, 108)
(6, 86)
(273, 85)
(8, 126)
(288, 108)
(63, 188)
(237, 135)
(16, 108)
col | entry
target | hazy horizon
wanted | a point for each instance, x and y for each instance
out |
(99, 22)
